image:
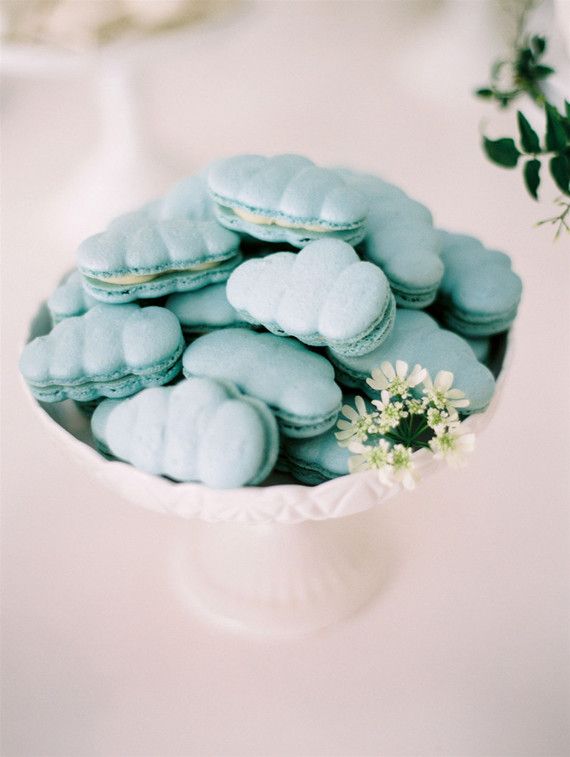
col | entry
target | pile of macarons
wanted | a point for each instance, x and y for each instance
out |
(215, 333)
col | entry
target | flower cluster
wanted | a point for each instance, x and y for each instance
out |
(413, 415)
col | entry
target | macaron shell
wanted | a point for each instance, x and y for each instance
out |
(417, 338)
(288, 187)
(296, 383)
(87, 356)
(176, 431)
(153, 247)
(323, 295)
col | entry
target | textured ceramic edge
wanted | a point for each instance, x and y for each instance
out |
(288, 503)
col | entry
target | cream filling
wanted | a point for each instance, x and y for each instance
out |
(143, 278)
(266, 221)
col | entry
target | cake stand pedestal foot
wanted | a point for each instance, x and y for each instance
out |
(276, 579)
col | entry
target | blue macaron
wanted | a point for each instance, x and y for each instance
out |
(204, 310)
(401, 239)
(198, 430)
(324, 296)
(137, 258)
(297, 384)
(479, 293)
(417, 338)
(110, 351)
(69, 299)
(285, 198)
(316, 460)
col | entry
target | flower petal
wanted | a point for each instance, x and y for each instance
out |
(459, 403)
(360, 405)
(357, 447)
(417, 375)
(350, 412)
(401, 368)
(388, 370)
(346, 433)
(443, 381)
(456, 394)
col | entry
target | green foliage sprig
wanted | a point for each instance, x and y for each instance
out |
(524, 74)
(519, 75)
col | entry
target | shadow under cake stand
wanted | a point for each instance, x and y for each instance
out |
(277, 560)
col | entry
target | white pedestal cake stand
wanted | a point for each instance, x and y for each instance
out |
(276, 560)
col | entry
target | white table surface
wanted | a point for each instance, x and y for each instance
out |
(465, 651)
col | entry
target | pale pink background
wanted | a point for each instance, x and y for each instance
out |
(466, 651)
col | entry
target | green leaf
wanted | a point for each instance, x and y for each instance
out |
(555, 132)
(541, 72)
(503, 152)
(531, 175)
(560, 171)
(538, 44)
(567, 107)
(484, 92)
(526, 57)
(529, 138)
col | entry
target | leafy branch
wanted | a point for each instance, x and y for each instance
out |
(524, 74)
(520, 75)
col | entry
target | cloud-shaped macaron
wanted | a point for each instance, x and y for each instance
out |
(480, 293)
(401, 239)
(315, 460)
(296, 383)
(323, 295)
(110, 351)
(69, 299)
(204, 309)
(188, 199)
(285, 198)
(137, 257)
(417, 338)
(198, 430)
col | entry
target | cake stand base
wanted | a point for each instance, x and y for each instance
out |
(278, 579)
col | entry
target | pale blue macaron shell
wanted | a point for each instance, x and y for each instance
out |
(481, 347)
(417, 338)
(320, 458)
(110, 351)
(480, 293)
(315, 460)
(135, 246)
(296, 383)
(204, 309)
(401, 239)
(323, 295)
(188, 199)
(198, 430)
(69, 299)
(288, 188)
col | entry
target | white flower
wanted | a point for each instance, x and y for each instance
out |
(438, 419)
(440, 393)
(416, 406)
(391, 413)
(377, 458)
(396, 381)
(403, 468)
(452, 444)
(359, 424)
